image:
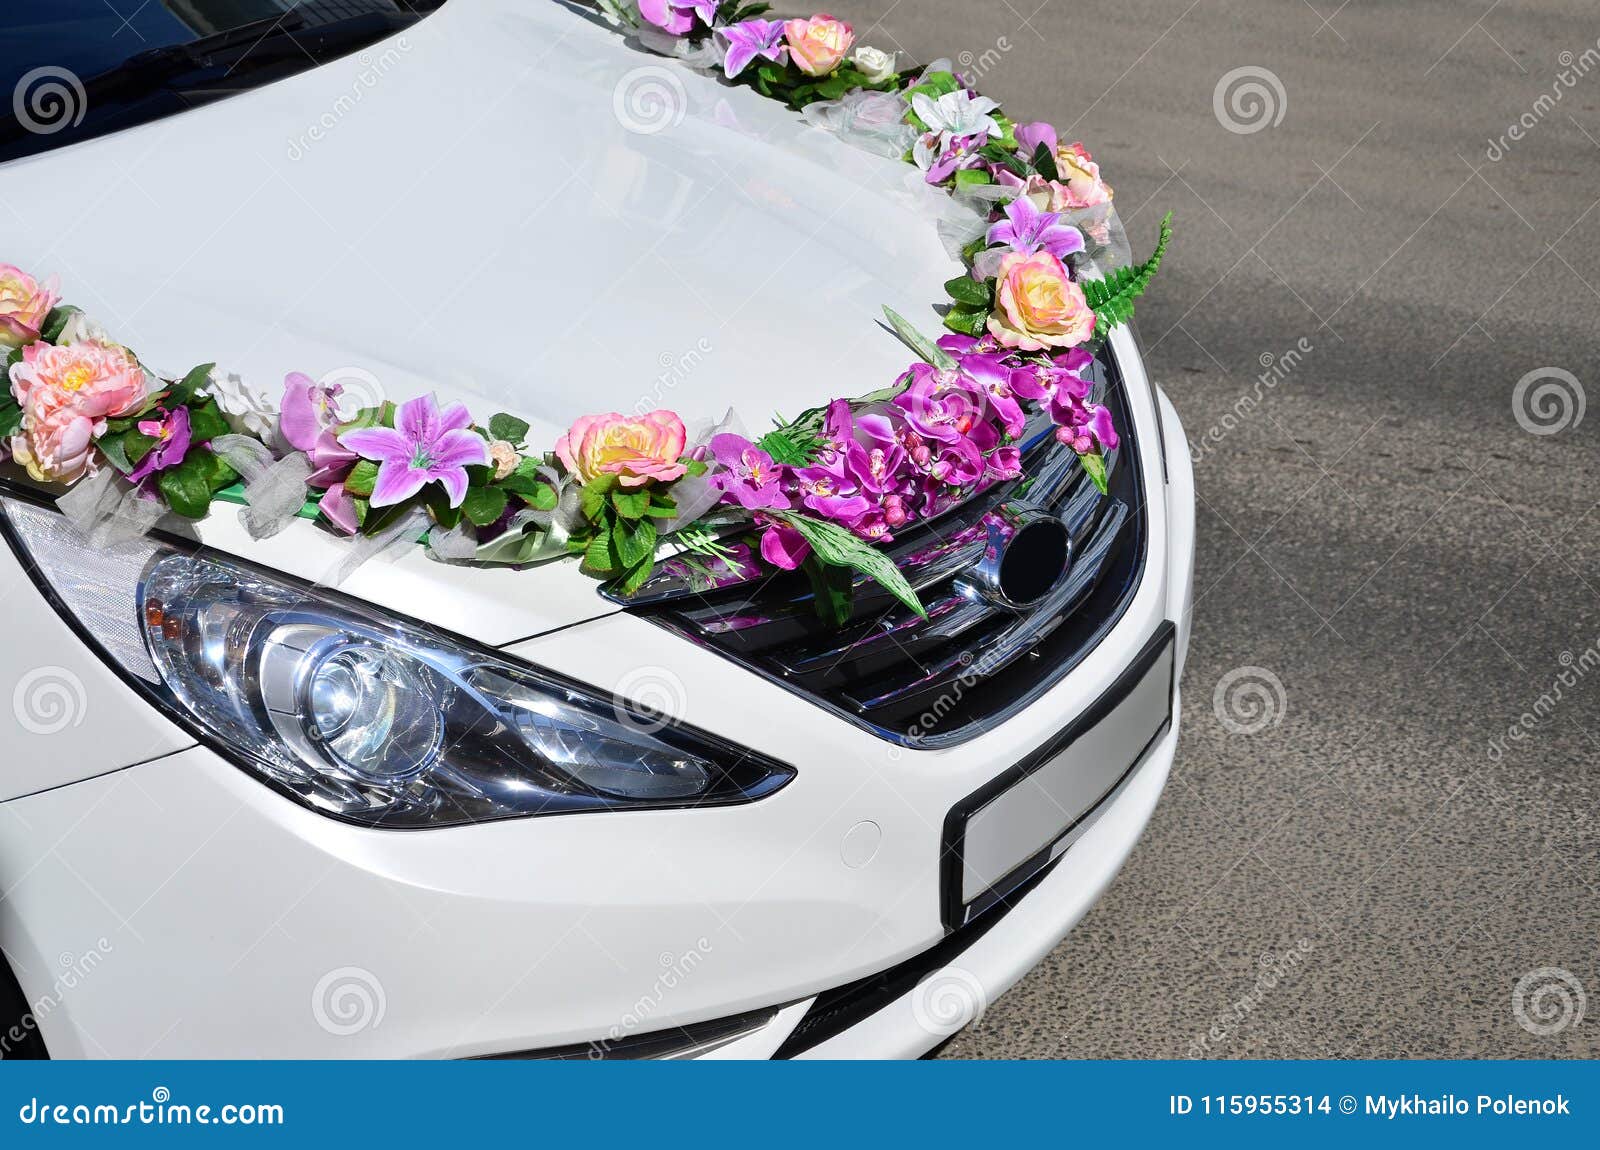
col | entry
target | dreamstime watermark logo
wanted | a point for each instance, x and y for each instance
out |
(74, 968)
(948, 1000)
(675, 968)
(675, 370)
(1273, 968)
(973, 66)
(373, 69)
(358, 389)
(972, 671)
(1574, 669)
(1274, 370)
(649, 100)
(1547, 1001)
(49, 99)
(48, 700)
(649, 698)
(1248, 700)
(1249, 99)
(1548, 400)
(348, 1000)
(1574, 67)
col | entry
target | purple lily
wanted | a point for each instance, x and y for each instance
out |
(171, 434)
(1027, 230)
(748, 39)
(424, 445)
(677, 16)
(751, 478)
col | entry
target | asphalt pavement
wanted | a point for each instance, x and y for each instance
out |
(1380, 323)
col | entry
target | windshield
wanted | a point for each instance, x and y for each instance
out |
(74, 69)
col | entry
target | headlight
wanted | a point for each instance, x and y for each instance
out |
(363, 716)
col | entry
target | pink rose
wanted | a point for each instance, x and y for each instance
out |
(818, 45)
(24, 304)
(635, 450)
(1080, 178)
(1037, 306)
(67, 394)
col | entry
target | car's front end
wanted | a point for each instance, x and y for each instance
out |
(745, 833)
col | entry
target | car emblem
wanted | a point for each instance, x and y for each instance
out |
(1028, 553)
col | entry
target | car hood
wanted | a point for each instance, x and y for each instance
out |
(510, 206)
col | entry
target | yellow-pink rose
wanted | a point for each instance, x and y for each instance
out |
(1080, 176)
(67, 394)
(636, 451)
(818, 45)
(24, 304)
(1037, 306)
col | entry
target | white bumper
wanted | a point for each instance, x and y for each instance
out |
(231, 922)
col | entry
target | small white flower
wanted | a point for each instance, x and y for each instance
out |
(247, 411)
(957, 114)
(874, 63)
(81, 329)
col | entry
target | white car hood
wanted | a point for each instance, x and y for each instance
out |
(502, 206)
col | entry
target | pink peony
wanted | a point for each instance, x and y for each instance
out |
(24, 304)
(635, 450)
(818, 45)
(67, 394)
(1037, 306)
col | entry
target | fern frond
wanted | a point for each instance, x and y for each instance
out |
(1112, 297)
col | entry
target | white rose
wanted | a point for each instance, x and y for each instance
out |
(874, 63)
(247, 411)
(81, 329)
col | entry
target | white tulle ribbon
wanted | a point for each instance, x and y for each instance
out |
(871, 121)
(390, 543)
(274, 489)
(106, 509)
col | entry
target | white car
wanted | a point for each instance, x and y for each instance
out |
(866, 838)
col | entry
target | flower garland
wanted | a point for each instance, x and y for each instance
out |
(815, 493)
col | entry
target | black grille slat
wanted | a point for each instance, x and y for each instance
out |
(944, 679)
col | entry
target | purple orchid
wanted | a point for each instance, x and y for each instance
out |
(424, 445)
(339, 508)
(677, 16)
(171, 433)
(751, 479)
(1026, 229)
(751, 38)
(308, 409)
(783, 546)
(1030, 136)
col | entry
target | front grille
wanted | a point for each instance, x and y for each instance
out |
(971, 663)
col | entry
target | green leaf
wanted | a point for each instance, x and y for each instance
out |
(56, 322)
(635, 578)
(483, 505)
(833, 589)
(973, 323)
(206, 422)
(930, 352)
(634, 540)
(1044, 162)
(791, 446)
(631, 504)
(1095, 464)
(598, 556)
(363, 476)
(136, 445)
(188, 487)
(1112, 297)
(437, 501)
(10, 414)
(182, 392)
(508, 427)
(933, 85)
(969, 293)
(972, 178)
(833, 544)
(596, 496)
(997, 153)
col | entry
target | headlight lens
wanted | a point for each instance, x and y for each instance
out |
(362, 716)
